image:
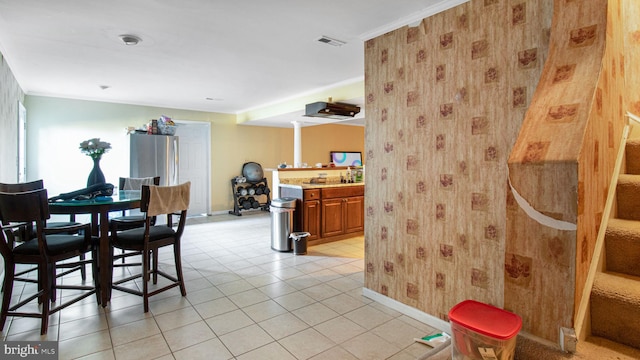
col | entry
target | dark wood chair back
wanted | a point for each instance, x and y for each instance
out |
(24, 206)
(23, 232)
(22, 187)
(156, 181)
(16, 211)
(30, 186)
(121, 182)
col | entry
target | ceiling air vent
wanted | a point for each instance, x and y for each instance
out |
(331, 41)
(338, 111)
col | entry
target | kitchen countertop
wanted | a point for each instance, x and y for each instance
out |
(320, 186)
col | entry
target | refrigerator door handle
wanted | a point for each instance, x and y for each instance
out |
(176, 162)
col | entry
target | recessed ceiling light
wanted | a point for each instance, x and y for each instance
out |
(130, 40)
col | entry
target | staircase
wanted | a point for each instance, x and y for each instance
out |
(615, 296)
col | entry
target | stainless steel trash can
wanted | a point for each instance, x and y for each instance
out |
(282, 223)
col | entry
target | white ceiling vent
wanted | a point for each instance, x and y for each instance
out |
(331, 41)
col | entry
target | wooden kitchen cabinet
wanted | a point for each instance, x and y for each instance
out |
(332, 217)
(354, 214)
(311, 213)
(342, 211)
(328, 213)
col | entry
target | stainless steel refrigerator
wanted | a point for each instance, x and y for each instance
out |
(154, 155)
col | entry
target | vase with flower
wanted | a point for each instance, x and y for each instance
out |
(95, 149)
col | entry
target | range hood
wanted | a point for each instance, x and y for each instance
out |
(337, 111)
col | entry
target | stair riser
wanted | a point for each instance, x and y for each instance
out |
(623, 252)
(628, 200)
(632, 156)
(616, 320)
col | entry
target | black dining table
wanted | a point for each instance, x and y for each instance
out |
(99, 208)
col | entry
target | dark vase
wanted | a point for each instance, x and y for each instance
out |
(95, 176)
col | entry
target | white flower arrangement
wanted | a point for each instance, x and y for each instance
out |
(94, 147)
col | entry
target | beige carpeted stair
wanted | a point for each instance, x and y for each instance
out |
(622, 247)
(615, 308)
(615, 297)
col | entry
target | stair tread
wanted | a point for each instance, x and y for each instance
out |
(595, 347)
(629, 177)
(622, 285)
(591, 348)
(625, 225)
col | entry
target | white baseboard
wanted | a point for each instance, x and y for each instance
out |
(439, 323)
(408, 310)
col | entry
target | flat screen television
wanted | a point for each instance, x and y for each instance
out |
(346, 158)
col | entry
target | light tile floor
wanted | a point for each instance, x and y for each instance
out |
(244, 301)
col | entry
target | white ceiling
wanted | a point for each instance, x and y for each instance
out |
(242, 55)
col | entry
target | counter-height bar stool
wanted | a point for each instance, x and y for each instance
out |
(155, 201)
(136, 220)
(49, 247)
(131, 221)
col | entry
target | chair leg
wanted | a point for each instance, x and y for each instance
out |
(95, 273)
(7, 284)
(83, 268)
(110, 271)
(155, 265)
(46, 288)
(145, 277)
(52, 281)
(45, 281)
(177, 260)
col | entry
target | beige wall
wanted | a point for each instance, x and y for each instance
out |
(318, 141)
(56, 126)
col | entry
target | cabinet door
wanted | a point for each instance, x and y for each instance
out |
(311, 220)
(332, 217)
(354, 214)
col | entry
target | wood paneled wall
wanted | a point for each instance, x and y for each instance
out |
(445, 102)
(485, 92)
(561, 164)
(628, 14)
